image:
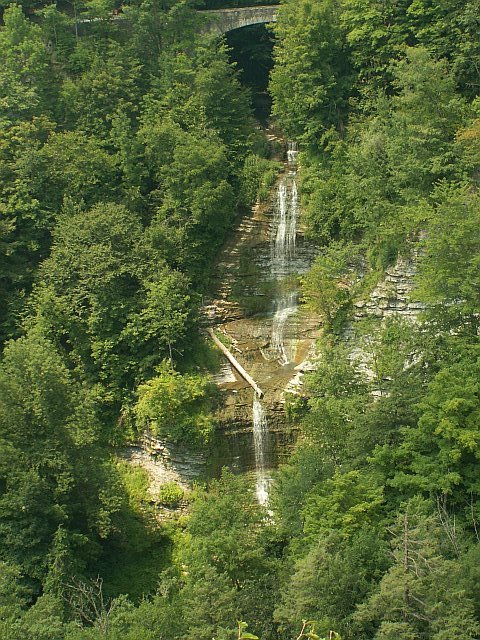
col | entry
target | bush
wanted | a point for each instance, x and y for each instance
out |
(259, 175)
(170, 494)
(177, 407)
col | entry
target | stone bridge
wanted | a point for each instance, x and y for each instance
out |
(223, 20)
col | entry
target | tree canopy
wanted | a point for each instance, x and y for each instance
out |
(128, 150)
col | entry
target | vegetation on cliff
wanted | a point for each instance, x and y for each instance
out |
(380, 502)
(125, 155)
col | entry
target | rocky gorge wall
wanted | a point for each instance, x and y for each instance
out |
(257, 313)
(394, 295)
(242, 313)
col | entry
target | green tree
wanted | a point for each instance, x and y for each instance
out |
(26, 79)
(448, 276)
(376, 33)
(42, 621)
(89, 285)
(52, 475)
(370, 184)
(327, 288)
(328, 582)
(229, 553)
(73, 166)
(109, 85)
(162, 321)
(25, 223)
(447, 30)
(195, 202)
(338, 399)
(209, 604)
(440, 453)
(175, 406)
(13, 596)
(311, 78)
(419, 596)
(345, 503)
(421, 139)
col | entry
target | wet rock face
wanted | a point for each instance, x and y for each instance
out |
(243, 309)
(166, 462)
(267, 329)
(233, 445)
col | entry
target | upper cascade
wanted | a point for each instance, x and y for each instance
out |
(282, 247)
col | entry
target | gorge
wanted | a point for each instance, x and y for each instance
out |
(302, 196)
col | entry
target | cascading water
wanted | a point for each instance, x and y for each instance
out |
(260, 441)
(285, 227)
(282, 250)
(286, 306)
(292, 152)
(256, 309)
(282, 254)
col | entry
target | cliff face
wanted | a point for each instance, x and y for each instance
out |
(242, 313)
(394, 296)
(248, 335)
(257, 313)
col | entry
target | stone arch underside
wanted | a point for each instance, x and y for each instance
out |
(224, 20)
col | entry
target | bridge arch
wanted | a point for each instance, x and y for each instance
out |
(224, 20)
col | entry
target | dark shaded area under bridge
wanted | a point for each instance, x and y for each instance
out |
(251, 50)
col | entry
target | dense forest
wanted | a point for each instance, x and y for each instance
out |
(128, 152)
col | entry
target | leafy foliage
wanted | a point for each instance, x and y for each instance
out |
(175, 406)
(311, 79)
(125, 154)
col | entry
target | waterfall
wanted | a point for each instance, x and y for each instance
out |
(286, 306)
(279, 254)
(284, 227)
(260, 441)
(282, 254)
(292, 152)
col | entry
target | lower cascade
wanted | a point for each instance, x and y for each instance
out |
(260, 441)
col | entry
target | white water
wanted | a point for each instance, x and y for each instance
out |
(282, 250)
(282, 255)
(284, 227)
(260, 441)
(292, 152)
(286, 307)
